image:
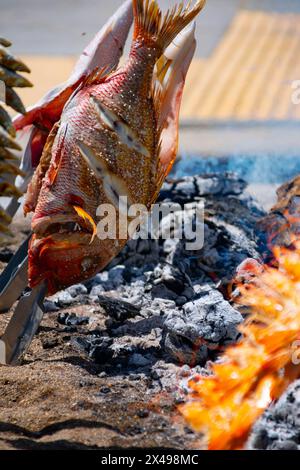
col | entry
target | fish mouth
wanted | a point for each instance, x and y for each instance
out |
(60, 225)
(61, 252)
(61, 259)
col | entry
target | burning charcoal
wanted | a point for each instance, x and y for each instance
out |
(283, 222)
(137, 254)
(208, 320)
(71, 319)
(50, 306)
(172, 278)
(171, 283)
(220, 184)
(278, 428)
(182, 351)
(118, 310)
(100, 350)
(77, 290)
(97, 348)
(137, 360)
(115, 276)
(191, 188)
(63, 299)
(5, 255)
(49, 343)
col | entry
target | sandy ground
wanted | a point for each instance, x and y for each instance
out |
(60, 400)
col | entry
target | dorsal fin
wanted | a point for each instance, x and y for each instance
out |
(97, 76)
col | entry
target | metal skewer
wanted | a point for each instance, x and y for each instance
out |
(22, 326)
(29, 310)
(14, 279)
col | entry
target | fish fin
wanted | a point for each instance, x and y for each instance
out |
(180, 55)
(105, 49)
(151, 27)
(86, 217)
(113, 185)
(115, 123)
(169, 80)
(55, 159)
(97, 76)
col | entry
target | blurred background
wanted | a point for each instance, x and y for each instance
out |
(237, 111)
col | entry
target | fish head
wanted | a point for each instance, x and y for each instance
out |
(63, 251)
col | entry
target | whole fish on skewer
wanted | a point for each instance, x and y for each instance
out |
(103, 134)
(109, 143)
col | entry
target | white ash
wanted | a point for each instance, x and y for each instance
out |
(279, 427)
(207, 322)
(162, 302)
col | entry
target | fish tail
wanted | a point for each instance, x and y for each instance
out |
(154, 29)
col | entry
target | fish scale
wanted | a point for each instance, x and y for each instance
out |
(107, 146)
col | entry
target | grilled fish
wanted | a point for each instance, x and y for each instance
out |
(116, 137)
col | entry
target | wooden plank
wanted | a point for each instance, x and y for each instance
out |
(283, 107)
(249, 74)
(265, 82)
(241, 79)
(216, 63)
(282, 76)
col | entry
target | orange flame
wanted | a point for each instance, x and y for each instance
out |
(225, 405)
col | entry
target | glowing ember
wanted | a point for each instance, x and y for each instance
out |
(256, 371)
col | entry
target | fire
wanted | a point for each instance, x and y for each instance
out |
(225, 405)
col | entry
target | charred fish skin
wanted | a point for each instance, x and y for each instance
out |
(107, 145)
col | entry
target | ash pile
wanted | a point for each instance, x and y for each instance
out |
(159, 306)
(278, 429)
